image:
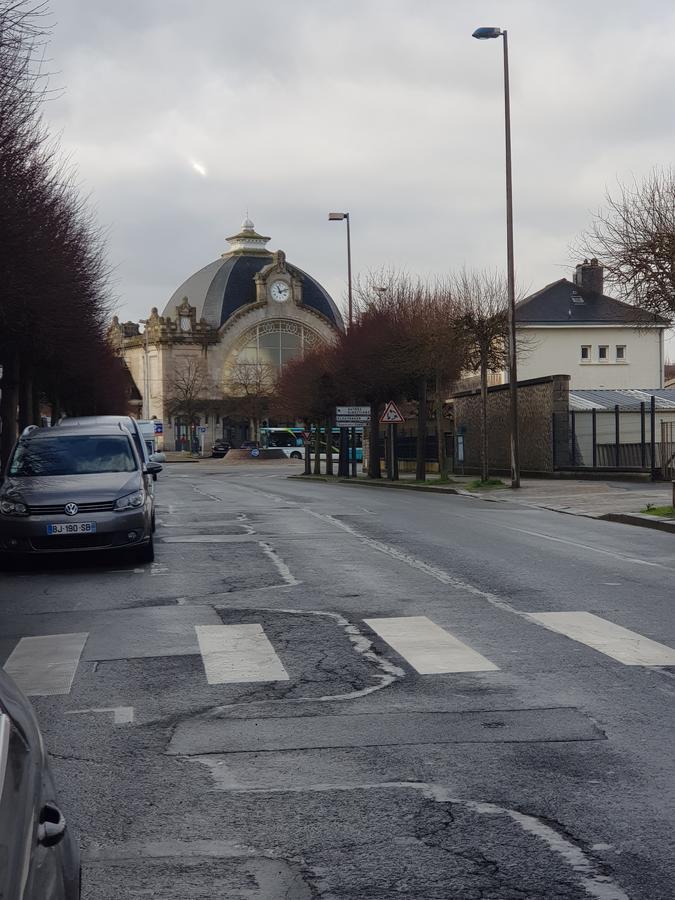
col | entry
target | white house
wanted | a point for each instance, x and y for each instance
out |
(572, 328)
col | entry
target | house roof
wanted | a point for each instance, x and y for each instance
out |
(565, 303)
(624, 398)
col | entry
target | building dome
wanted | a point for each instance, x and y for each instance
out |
(227, 285)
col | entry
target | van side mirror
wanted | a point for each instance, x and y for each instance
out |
(153, 468)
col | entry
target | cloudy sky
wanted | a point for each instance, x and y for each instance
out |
(181, 116)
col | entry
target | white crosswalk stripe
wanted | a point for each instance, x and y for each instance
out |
(238, 653)
(45, 665)
(428, 648)
(627, 647)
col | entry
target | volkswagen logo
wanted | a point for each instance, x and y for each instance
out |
(71, 509)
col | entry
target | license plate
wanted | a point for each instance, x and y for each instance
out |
(72, 528)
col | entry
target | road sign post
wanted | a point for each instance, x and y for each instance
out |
(307, 441)
(350, 417)
(392, 417)
(202, 434)
(343, 459)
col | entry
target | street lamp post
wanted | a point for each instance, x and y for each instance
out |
(339, 217)
(486, 33)
(146, 373)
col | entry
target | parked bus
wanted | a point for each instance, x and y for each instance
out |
(290, 440)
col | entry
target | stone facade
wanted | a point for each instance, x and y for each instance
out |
(539, 399)
(250, 307)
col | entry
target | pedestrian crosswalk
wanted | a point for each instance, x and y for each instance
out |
(428, 648)
(46, 665)
(625, 646)
(238, 653)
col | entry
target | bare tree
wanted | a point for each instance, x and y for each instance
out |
(250, 387)
(188, 389)
(420, 351)
(481, 304)
(633, 236)
(55, 304)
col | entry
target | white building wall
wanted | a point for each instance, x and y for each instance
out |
(556, 350)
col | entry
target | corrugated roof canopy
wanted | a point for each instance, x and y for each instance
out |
(623, 397)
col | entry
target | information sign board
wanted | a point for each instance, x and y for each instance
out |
(352, 416)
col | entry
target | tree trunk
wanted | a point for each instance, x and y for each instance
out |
(25, 395)
(317, 448)
(374, 454)
(329, 445)
(9, 403)
(421, 468)
(308, 449)
(440, 435)
(484, 474)
(37, 416)
(56, 409)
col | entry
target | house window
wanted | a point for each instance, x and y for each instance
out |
(620, 352)
(585, 352)
(603, 352)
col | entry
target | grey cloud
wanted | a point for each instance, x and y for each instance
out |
(383, 107)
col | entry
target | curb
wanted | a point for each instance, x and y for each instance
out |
(392, 485)
(643, 521)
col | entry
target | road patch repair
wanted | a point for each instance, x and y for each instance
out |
(198, 736)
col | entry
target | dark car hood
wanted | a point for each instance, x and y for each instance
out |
(44, 490)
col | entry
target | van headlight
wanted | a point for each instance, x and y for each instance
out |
(12, 507)
(130, 501)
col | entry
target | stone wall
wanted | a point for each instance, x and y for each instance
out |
(538, 400)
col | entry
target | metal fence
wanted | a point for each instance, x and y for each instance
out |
(626, 439)
(667, 448)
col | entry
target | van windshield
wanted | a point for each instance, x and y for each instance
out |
(73, 455)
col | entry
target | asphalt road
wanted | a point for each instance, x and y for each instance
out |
(246, 721)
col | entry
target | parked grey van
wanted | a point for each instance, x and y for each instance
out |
(74, 489)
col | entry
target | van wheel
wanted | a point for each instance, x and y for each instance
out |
(153, 524)
(296, 455)
(146, 554)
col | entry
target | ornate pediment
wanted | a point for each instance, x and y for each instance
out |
(278, 273)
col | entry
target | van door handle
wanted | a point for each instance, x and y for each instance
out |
(52, 825)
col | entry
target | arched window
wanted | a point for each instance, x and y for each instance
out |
(276, 342)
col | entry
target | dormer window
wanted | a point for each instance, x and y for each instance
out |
(185, 323)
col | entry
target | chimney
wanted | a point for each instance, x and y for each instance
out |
(588, 276)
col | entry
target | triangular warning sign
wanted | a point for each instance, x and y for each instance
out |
(391, 415)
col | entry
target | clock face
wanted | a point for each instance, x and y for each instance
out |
(280, 291)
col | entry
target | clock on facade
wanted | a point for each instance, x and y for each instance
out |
(280, 291)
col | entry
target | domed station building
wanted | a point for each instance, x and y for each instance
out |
(240, 318)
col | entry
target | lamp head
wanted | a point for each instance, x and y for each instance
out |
(487, 32)
(337, 217)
